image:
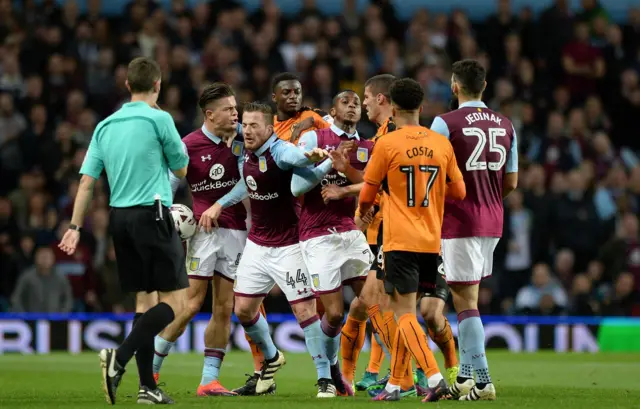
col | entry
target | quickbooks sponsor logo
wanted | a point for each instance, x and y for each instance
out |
(206, 185)
(268, 196)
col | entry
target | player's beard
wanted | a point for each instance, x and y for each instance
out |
(454, 103)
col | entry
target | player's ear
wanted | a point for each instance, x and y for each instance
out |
(156, 86)
(270, 130)
(126, 82)
(484, 86)
(332, 112)
(273, 97)
(379, 99)
(421, 108)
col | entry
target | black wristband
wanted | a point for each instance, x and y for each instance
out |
(74, 227)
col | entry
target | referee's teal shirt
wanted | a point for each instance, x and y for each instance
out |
(136, 145)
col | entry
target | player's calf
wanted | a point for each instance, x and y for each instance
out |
(167, 338)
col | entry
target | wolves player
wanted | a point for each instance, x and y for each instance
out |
(416, 167)
(292, 119)
(215, 176)
(486, 143)
(333, 247)
(272, 254)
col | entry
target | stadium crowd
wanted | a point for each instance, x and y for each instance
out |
(569, 82)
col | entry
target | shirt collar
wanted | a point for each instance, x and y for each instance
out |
(340, 132)
(134, 104)
(473, 104)
(266, 145)
(211, 136)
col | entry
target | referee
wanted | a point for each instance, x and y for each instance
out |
(136, 146)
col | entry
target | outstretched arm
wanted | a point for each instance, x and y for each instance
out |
(305, 179)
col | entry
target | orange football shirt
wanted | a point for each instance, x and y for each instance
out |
(372, 231)
(413, 164)
(284, 129)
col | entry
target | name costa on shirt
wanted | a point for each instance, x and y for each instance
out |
(209, 185)
(419, 151)
(268, 196)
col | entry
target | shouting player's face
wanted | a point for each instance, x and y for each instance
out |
(223, 116)
(347, 108)
(255, 129)
(371, 105)
(288, 96)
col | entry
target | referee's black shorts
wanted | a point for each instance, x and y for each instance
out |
(149, 253)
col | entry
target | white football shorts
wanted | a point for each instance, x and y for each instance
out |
(263, 267)
(337, 259)
(217, 252)
(468, 260)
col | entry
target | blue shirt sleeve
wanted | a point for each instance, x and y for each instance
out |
(308, 141)
(93, 163)
(239, 191)
(173, 179)
(171, 143)
(512, 157)
(440, 126)
(287, 156)
(305, 179)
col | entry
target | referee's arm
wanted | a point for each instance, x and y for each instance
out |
(91, 169)
(174, 150)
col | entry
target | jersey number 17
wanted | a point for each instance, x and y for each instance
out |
(410, 171)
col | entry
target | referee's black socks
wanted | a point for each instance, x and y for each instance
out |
(141, 338)
(144, 359)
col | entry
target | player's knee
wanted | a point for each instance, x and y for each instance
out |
(430, 316)
(193, 306)
(222, 310)
(334, 317)
(243, 310)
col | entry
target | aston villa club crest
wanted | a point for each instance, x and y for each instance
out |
(262, 164)
(315, 280)
(362, 154)
(194, 264)
(236, 148)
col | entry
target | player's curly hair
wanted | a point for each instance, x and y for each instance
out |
(284, 76)
(470, 75)
(214, 92)
(406, 94)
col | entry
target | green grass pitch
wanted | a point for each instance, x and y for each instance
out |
(540, 380)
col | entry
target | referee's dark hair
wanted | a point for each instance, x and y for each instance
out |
(264, 109)
(285, 76)
(380, 84)
(214, 92)
(406, 94)
(470, 76)
(142, 74)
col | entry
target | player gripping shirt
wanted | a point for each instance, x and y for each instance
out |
(485, 142)
(413, 165)
(335, 250)
(272, 254)
(215, 180)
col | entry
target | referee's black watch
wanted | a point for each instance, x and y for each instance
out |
(74, 227)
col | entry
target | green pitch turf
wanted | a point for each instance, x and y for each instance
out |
(541, 380)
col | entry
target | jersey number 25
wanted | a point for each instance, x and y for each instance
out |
(474, 162)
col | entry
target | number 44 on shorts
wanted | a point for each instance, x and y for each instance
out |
(300, 278)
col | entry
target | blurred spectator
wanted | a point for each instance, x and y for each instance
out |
(543, 295)
(519, 258)
(40, 288)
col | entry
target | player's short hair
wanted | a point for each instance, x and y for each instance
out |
(264, 109)
(285, 76)
(380, 84)
(142, 74)
(335, 98)
(214, 92)
(471, 75)
(406, 94)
